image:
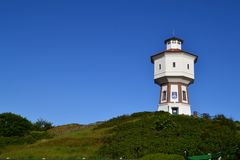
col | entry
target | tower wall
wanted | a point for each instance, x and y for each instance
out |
(174, 93)
(164, 66)
(174, 72)
(174, 96)
(182, 108)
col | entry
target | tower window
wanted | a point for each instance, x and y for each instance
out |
(187, 66)
(184, 95)
(173, 42)
(174, 64)
(164, 95)
(160, 66)
(168, 42)
(179, 42)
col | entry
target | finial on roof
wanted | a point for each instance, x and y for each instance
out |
(173, 31)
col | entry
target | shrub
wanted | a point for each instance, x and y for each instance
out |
(42, 125)
(14, 125)
(160, 132)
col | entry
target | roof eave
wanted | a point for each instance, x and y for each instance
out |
(195, 60)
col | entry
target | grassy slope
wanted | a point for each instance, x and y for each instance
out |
(76, 141)
(68, 141)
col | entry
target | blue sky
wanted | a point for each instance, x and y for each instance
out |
(86, 61)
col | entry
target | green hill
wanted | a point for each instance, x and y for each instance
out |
(140, 135)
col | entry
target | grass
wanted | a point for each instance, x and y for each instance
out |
(123, 134)
(70, 141)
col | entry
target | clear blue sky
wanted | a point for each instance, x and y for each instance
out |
(86, 61)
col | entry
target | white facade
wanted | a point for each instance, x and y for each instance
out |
(182, 108)
(184, 65)
(174, 72)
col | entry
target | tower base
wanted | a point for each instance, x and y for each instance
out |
(175, 108)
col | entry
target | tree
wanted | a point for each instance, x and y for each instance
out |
(42, 125)
(14, 125)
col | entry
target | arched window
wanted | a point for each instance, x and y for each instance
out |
(164, 95)
(184, 95)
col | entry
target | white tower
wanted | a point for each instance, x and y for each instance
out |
(174, 72)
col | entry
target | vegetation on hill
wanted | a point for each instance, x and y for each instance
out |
(144, 135)
(15, 129)
(159, 132)
(42, 125)
(14, 125)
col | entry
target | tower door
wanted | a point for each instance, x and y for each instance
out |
(175, 110)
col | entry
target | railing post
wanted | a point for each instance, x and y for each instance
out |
(185, 155)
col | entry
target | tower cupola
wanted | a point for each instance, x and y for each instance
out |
(173, 43)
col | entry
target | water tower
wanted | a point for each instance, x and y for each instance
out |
(174, 72)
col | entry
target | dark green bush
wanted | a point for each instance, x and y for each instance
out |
(146, 133)
(42, 125)
(15, 129)
(14, 125)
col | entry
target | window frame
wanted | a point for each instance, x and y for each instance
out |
(184, 95)
(164, 95)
